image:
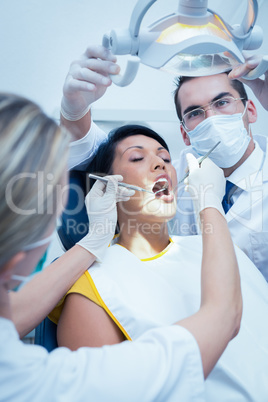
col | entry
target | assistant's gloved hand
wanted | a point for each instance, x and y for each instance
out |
(206, 184)
(102, 214)
(86, 81)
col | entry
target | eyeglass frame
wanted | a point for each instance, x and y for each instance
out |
(207, 106)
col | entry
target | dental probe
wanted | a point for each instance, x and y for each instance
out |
(200, 160)
(94, 176)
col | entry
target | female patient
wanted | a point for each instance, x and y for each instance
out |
(146, 275)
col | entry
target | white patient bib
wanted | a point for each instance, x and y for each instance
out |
(141, 294)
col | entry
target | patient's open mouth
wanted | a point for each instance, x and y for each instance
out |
(161, 187)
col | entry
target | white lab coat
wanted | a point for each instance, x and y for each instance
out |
(81, 151)
(248, 217)
(163, 365)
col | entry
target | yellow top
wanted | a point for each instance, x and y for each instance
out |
(82, 286)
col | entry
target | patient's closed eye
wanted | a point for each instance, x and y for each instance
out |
(136, 159)
(165, 156)
(136, 156)
(166, 160)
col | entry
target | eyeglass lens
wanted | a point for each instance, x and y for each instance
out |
(225, 105)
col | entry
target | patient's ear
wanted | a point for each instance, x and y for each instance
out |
(8, 268)
(185, 136)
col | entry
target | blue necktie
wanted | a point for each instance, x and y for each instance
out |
(226, 202)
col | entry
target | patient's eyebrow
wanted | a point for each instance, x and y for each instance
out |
(141, 147)
(133, 146)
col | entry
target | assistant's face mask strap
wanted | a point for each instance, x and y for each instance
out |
(24, 279)
(21, 278)
(38, 243)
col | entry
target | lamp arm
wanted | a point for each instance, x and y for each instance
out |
(137, 15)
(250, 17)
(244, 29)
(227, 26)
(247, 24)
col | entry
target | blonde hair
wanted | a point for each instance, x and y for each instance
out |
(33, 158)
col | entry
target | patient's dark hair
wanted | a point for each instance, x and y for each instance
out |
(237, 85)
(104, 157)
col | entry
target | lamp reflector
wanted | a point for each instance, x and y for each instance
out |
(200, 65)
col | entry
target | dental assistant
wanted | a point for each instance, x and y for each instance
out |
(165, 364)
(219, 109)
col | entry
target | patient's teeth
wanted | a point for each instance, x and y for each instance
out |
(163, 185)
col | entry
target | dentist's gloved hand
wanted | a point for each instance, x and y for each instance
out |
(87, 80)
(102, 214)
(206, 184)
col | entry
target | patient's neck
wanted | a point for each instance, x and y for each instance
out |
(144, 240)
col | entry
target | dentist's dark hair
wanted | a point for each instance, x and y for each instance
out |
(179, 81)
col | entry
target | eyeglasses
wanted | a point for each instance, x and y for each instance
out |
(225, 105)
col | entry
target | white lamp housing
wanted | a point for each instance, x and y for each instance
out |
(194, 41)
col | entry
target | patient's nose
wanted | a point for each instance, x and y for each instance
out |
(159, 163)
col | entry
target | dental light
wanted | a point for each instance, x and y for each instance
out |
(194, 41)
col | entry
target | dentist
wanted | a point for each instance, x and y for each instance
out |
(216, 108)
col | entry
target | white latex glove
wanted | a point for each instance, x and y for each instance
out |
(102, 214)
(206, 184)
(87, 80)
(258, 86)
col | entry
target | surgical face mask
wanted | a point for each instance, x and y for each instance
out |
(229, 130)
(24, 279)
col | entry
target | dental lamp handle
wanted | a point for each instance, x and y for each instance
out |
(258, 71)
(127, 43)
(131, 68)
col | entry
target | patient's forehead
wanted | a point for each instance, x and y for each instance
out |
(138, 141)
